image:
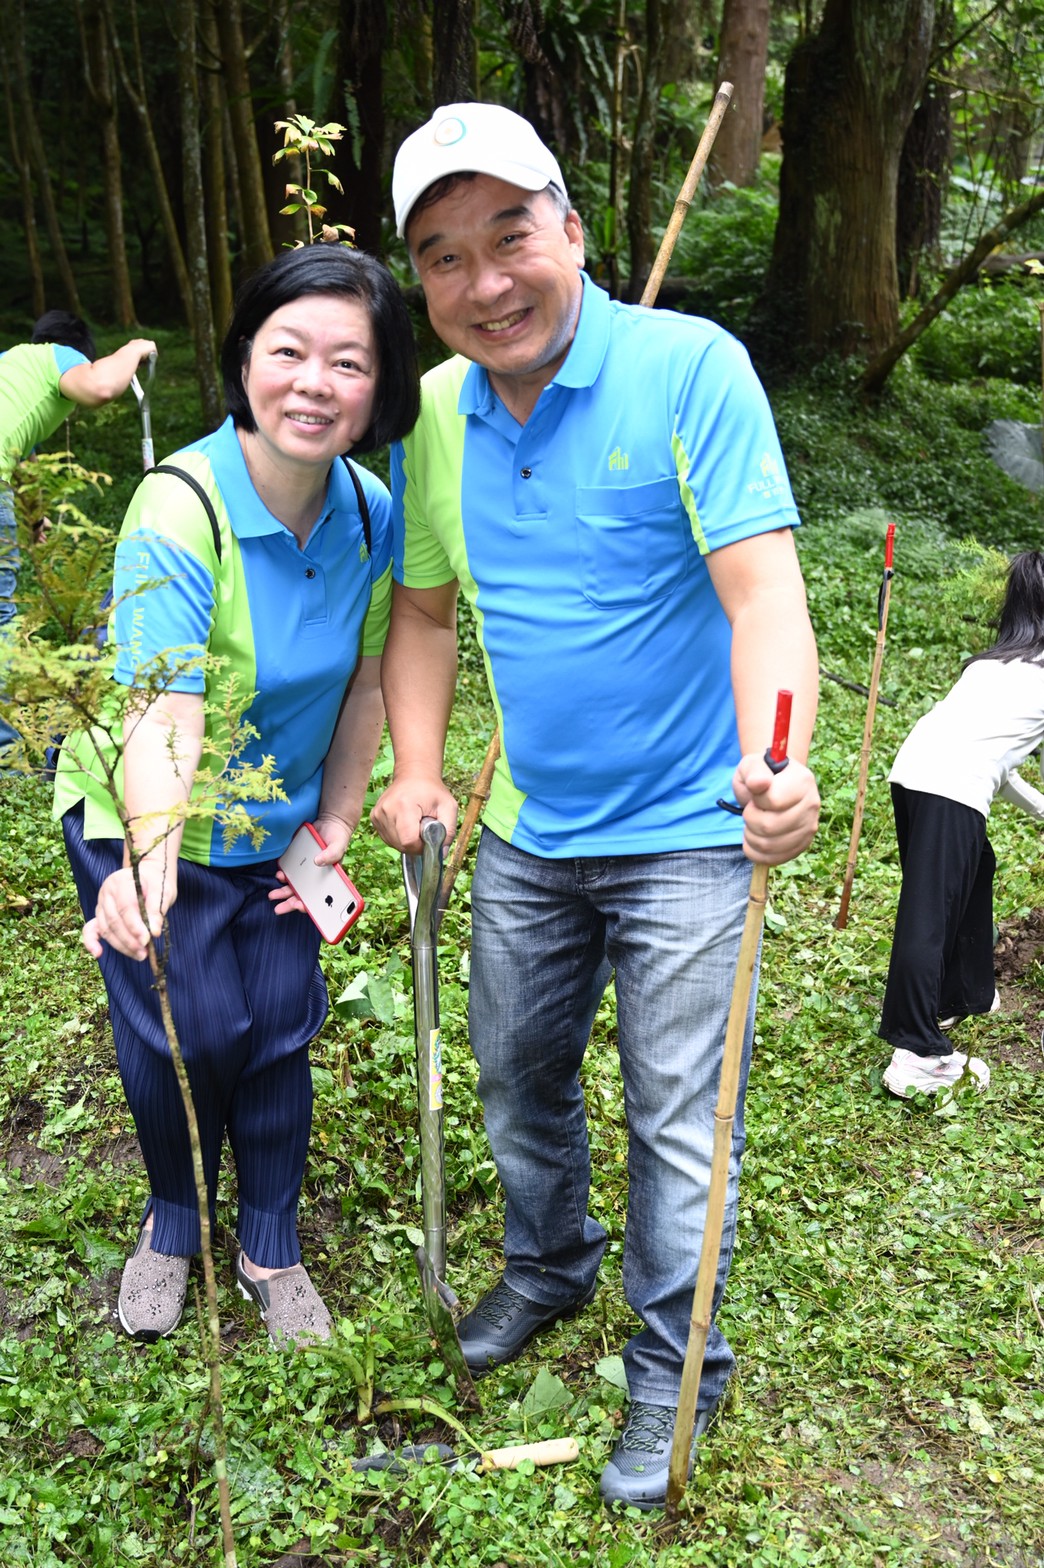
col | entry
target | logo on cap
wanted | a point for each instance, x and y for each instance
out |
(449, 131)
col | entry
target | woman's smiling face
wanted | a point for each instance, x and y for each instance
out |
(311, 379)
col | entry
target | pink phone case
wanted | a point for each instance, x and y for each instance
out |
(332, 900)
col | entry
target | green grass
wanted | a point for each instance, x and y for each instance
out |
(887, 1293)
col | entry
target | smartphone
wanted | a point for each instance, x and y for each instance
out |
(327, 893)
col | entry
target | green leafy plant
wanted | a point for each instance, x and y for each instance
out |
(304, 139)
(59, 681)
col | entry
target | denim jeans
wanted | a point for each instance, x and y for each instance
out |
(546, 935)
(8, 587)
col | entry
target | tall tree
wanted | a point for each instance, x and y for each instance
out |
(15, 35)
(101, 86)
(256, 240)
(742, 57)
(184, 16)
(667, 27)
(215, 185)
(134, 87)
(20, 160)
(362, 34)
(924, 163)
(454, 63)
(849, 96)
(293, 169)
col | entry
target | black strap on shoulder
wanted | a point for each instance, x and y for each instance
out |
(208, 507)
(364, 510)
(193, 483)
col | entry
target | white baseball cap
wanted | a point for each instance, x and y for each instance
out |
(470, 138)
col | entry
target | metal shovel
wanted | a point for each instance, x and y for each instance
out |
(422, 875)
(143, 394)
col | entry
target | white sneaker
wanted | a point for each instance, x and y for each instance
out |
(907, 1073)
(948, 1023)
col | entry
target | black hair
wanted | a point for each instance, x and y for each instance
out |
(349, 274)
(61, 326)
(449, 182)
(1020, 625)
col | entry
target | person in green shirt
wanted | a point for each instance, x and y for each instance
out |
(41, 382)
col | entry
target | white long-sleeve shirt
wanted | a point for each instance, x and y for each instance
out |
(967, 748)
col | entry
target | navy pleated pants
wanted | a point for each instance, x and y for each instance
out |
(247, 996)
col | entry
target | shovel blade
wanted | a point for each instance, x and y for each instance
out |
(442, 1307)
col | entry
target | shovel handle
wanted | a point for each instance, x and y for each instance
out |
(554, 1451)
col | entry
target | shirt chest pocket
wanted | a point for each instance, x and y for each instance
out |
(632, 542)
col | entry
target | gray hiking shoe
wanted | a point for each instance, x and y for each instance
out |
(636, 1473)
(291, 1308)
(152, 1291)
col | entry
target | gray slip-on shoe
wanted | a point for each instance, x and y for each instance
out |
(152, 1291)
(291, 1308)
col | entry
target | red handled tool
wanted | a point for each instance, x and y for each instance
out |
(724, 1116)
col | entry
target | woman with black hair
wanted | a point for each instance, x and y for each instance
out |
(954, 762)
(272, 555)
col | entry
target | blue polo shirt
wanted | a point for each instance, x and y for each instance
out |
(289, 624)
(580, 540)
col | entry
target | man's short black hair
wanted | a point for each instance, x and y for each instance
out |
(348, 274)
(61, 326)
(441, 187)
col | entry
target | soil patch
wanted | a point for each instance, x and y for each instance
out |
(1019, 967)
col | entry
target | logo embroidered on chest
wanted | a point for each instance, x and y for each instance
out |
(618, 459)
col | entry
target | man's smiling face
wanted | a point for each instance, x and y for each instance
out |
(500, 272)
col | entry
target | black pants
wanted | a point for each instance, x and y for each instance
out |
(942, 949)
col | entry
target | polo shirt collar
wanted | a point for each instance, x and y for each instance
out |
(248, 515)
(581, 365)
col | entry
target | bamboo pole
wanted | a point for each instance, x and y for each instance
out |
(722, 99)
(841, 919)
(476, 800)
(724, 1118)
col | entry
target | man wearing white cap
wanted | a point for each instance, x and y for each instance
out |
(606, 485)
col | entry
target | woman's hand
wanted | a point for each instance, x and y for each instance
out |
(117, 917)
(336, 834)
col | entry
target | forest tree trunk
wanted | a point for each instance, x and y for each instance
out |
(849, 96)
(101, 86)
(643, 148)
(215, 184)
(362, 34)
(742, 57)
(34, 148)
(454, 66)
(25, 186)
(256, 238)
(195, 220)
(138, 100)
(924, 165)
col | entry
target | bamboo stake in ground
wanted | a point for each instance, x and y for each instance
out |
(868, 728)
(724, 1117)
(722, 99)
